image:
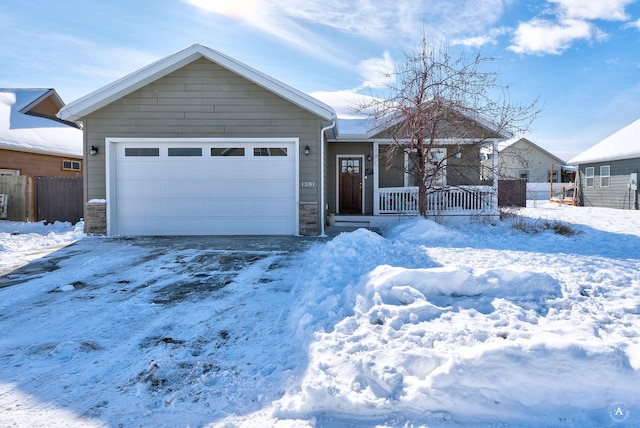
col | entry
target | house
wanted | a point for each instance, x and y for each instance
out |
(519, 158)
(608, 171)
(39, 155)
(33, 141)
(199, 143)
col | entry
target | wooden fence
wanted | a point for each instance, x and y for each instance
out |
(47, 199)
(512, 193)
(58, 199)
(19, 191)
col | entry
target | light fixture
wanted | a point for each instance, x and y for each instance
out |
(458, 155)
(93, 151)
(369, 158)
(307, 150)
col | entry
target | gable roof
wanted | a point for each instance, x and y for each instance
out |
(76, 110)
(623, 144)
(28, 123)
(356, 124)
(505, 145)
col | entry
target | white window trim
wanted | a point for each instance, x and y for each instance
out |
(592, 176)
(608, 176)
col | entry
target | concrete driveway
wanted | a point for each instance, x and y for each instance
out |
(231, 252)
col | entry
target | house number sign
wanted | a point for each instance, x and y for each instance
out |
(308, 184)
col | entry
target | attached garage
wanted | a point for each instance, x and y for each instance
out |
(198, 143)
(202, 186)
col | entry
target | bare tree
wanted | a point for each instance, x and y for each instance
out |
(435, 98)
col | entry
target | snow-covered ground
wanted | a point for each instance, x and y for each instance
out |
(474, 326)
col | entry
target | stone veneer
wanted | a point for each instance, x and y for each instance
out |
(95, 222)
(308, 212)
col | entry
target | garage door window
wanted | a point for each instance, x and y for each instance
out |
(227, 151)
(269, 151)
(141, 151)
(185, 151)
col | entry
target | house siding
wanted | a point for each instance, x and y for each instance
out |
(35, 164)
(203, 100)
(617, 195)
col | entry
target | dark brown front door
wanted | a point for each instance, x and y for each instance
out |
(350, 185)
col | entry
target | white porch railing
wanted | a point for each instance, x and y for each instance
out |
(459, 200)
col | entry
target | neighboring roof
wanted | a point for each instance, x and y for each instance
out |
(503, 145)
(76, 110)
(24, 128)
(624, 144)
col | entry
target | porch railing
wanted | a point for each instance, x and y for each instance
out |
(443, 201)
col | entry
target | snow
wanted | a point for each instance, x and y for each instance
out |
(623, 144)
(496, 325)
(19, 131)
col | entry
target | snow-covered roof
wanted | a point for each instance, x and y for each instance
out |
(624, 144)
(22, 131)
(354, 124)
(76, 110)
(502, 145)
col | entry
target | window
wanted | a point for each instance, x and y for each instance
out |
(523, 174)
(9, 171)
(555, 175)
(270, 151)
(605, 175)
(185, 151)
(227, 151)
(589, 173)
(141, 151)
(71, 165)
(350, 166)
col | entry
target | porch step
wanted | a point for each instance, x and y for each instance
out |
(352, 221)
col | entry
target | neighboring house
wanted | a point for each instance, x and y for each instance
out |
(198, 143)
(519, 158)
(608, 171)
(33, 141)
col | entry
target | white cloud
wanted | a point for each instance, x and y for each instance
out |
(540, 36)
(377, 72)
(573, 21)
(401, 20)
(609, 10)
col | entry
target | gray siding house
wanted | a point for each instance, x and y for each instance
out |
(609, 170)
(198, 143)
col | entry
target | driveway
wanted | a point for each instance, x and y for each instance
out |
(110, 329)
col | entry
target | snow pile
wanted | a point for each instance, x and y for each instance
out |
(425, 326)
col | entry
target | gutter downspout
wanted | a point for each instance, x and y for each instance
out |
(322, 163)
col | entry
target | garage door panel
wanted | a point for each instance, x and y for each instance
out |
(212, 195)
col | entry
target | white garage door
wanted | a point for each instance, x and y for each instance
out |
(190, 187)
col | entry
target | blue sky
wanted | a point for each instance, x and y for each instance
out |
(581, 58)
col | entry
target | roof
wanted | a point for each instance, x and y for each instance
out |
(76, 110)
(354, 121)
(22, 129)
(624, 144)
(504, 145)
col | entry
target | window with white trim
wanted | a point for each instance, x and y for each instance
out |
(605, 175)
(71, 165)
(589, 173)
(523, 174)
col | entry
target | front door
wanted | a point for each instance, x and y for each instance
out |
(350, 185)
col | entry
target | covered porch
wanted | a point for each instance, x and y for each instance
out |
(365, 191)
